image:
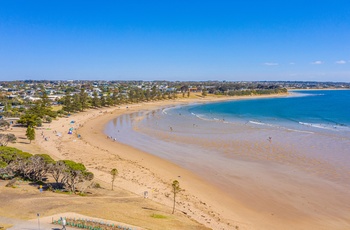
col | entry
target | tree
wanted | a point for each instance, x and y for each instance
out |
(103, 101)
(115, 97)
(131, 95)
(4, 124)
(114, 173)
(29, 119)
(45, 102)
(14, 159)
(154, 92)
(36, 168)
(67, 103)
(204, 92)
(6, 138)
(76, 103)
(30, 133)
(176, 189)
(83, 99)
(147, 95)
(48, 119)
(12, 155)
(95, 100)
(75, 173)
(109, 99)
(57, 170)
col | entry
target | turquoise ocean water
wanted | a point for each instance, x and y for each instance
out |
(307, 110)
(313, 124)
(304, 117)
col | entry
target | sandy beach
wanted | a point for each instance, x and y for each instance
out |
(265, 201)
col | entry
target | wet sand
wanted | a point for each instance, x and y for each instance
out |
(293, 180)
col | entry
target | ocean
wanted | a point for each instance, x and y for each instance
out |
(304, 110)
(314, 124)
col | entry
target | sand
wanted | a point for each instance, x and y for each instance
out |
(199, 201)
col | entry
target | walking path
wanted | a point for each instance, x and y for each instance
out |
(29, 224)
(45, 222)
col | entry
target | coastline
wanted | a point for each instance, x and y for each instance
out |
(140, 171)
(268, 182)
(160, 173)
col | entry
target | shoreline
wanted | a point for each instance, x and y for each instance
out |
(140, 171)
(311, 183)
(160, 172)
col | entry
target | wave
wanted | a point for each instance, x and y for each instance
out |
(202, 117)
(265, 124)
(326, 126)
(165, 111)
(257, 123)
(205, 118)
(280, 127)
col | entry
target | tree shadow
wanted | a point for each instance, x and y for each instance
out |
(22, 142)
(48, 186)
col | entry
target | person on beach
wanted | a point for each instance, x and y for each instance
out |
(64, 223)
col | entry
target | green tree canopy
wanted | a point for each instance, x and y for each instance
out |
(176, 189)
(10, 154)
(30, 133)
(114, 173)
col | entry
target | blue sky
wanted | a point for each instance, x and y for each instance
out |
(175, 40)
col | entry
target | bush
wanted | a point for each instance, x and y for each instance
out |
(3, 164)
(48, 119)
(96, 185)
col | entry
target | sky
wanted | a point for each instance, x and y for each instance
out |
(175, 40)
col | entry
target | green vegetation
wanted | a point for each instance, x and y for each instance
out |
(114, 173)
(4, 124)
(38, 112)
(7, 138)
(175, 189)
(67, 174)
(42, 106)
(30, 133)
(90, 224)
(158, 216)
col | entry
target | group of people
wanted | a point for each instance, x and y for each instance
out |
(43, 136)
(110, 137)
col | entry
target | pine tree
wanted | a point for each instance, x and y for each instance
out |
(103, 101)
(76, 106)
(114, 173)
(30, 133)
(109, 99)
(176, 189)
(45, 101)
(115, 98)
(204, 92)
(83, 99)
(67, 103)
(95, 100)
